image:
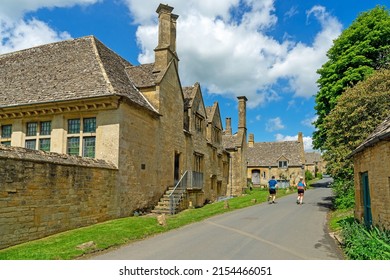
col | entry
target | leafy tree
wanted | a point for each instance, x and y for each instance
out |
(358, 112)
(361, 49)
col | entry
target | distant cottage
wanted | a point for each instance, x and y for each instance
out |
(284, 160)
(314, 163)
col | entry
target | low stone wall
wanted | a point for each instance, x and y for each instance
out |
(46, 193)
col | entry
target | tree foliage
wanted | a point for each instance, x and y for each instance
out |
(361, 49)
(358, 112)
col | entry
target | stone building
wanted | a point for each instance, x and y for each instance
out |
(372, 178)
(236, 145)
(284, 160)
(78, 98)
(314, 163)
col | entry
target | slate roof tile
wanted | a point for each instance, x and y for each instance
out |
(63, 71)
(269, 153)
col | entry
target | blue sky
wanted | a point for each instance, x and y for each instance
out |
(267, 50)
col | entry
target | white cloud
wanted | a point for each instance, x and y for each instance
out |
(16, 33)
(292, 12)
(309, 122)
(14, 9)
(231, 53)
(302, 61)
(25, 34)
(274, 124)
(144, 11)
(222, 44)
(307, 141)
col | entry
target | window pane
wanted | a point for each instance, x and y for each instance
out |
(32, 129)
(6, 143)
(73, 126)
(73, 146)
(89, 147)
(89, 125)
(6, 131)
(31, 144)
(44, 144)
(45, 128)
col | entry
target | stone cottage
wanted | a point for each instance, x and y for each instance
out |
(372, 178)
(79, 111)
(284, 160)
(314, 163)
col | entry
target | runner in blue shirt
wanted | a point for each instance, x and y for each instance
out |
(301, 186)
(272, 186)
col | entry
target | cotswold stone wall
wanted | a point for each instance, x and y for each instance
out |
(46, 193)
(375, 161)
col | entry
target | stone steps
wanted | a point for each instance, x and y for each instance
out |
(163, 206)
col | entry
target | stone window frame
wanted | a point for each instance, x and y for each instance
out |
(198, 123)
(82, 136)
(216, 135)
(38, 135)
(283, 164)
(5, 139)
(198, 162)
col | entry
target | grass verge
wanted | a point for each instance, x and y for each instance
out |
(63, 246)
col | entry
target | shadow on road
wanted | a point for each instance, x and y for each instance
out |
(326, 203)
(323, 183)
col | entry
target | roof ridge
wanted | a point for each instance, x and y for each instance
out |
(45, 45)
(101, 64)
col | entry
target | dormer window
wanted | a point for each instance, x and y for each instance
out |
(283, 164)
(198, 123)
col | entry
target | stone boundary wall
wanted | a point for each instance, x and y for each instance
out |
(47, 193)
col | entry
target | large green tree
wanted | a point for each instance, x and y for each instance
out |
(358, 112)
(361, 49)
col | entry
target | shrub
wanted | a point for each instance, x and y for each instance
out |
(361, 243)
(344, 191)
(308, 175)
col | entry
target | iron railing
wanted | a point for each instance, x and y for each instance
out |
(190, 179)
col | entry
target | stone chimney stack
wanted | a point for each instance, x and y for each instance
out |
(228, 130)
(242, 113)
(300, 141)
(166, 48)
(300, 137)
(251, 140)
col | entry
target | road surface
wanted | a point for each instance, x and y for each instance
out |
(281, 231)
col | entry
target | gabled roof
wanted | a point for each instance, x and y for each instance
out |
(234, 141)
(312, 157)
(381, 133)
(193, 99)
(269, 153)
(189, 95)
(63, 71)
(214, 115)
(142, 75)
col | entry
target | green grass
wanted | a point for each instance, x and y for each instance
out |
(338, 217)
(117, 232)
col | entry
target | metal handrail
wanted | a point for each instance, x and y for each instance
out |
(176, 195)
(190, 179)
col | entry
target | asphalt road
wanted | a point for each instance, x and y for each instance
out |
(281, 231)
